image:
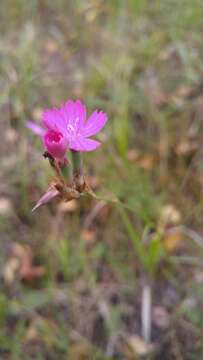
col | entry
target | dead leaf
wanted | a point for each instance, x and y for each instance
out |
(170, 216)
(33, 333)
(138, 346)
(27, 270)
(11, 135)
(170, 219)
(147, 162)
(20, 264)
(89, 236)
(172, 241)
(133, 155)
(6, 206)
(10, 269)
(80, 350)
(187, 147)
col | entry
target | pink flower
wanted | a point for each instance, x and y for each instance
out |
(67, 128)
(55, 143)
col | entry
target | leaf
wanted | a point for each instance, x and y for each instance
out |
(30, 301)
(35, 299)
(134, 237)
(155, 253)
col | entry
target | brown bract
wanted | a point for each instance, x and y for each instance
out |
(65, 190)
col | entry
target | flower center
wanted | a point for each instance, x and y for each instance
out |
(54, 136)
(74, 127)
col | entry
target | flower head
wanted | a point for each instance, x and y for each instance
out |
(55, 143)
(67, 127)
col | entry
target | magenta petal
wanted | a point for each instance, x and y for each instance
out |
(53, 120)
(56, 144)
(50, 194)
(83, 144)
(75, 114)
(37, 129)
(94, 124)
(81, 109)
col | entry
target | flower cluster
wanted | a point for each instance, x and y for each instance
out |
(67, 127)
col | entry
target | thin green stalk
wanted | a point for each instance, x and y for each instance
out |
(78, 176)
(67, 171)
(135, 238)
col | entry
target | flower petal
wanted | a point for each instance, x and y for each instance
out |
(94, 124)
(74, 113)
(56, 144)
(53, 120)
(37, 129)
(49, 194)
(83, 144)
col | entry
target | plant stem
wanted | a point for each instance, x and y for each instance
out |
(78, 176)
(146, 310)
(67, 172)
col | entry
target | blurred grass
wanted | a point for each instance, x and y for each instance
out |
(138, 61)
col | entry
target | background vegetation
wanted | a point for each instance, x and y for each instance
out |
(72, 274)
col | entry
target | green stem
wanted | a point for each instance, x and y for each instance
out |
(67, 172)
(78, 176)
(77, 160)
